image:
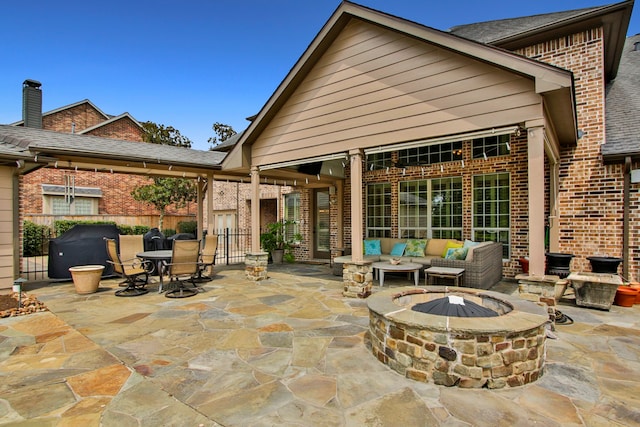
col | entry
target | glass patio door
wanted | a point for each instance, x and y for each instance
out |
(322, 223)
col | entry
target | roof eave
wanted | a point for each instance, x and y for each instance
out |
(613, 18)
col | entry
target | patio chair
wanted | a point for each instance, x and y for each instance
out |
(129, 246)
(134, 271)
(184, 262)
(207, 258)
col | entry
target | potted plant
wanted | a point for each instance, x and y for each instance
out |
(275, 242)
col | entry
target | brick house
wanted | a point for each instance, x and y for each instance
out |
(96, 192)
(490, 131)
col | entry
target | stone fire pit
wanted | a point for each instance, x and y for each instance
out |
(471, 352)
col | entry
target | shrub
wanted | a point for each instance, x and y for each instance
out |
(63, 225)
(168, 232)
(125, 229)
(188, 227)
(35, 239)
(141, 229)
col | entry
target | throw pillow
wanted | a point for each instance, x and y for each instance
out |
(470, 244)
(415, 248)
(450, 244)
(398, 249)
(372, 247)
(456, 253)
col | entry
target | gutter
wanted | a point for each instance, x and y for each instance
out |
(625, 217)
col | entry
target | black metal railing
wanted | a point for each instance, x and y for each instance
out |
(233, 244)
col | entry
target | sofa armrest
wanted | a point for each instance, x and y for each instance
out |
(484, 271)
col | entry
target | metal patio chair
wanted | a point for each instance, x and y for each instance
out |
(134, 271)
(207, 258)
(184, 263)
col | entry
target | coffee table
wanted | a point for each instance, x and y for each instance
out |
(404, 267)
(455, 274)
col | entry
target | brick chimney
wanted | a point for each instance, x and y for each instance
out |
(32, 104)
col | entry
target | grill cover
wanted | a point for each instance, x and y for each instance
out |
(454, 306)
(154, 240)
(83, 244)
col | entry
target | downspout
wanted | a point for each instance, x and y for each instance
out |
(625, 217)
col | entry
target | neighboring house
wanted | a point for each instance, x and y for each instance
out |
(490, 131)
(99, 192)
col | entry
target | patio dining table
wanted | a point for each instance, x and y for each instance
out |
(158, 257)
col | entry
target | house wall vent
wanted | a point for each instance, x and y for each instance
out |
(32, 104)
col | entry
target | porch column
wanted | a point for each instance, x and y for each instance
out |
(536, 157)
(199, 214)
(357, 274)
(256, 260)
(210, 223)
(356, 205)
(255, 210)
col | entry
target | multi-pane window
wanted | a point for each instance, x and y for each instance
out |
(491, 209)
(491, 146)
(378, 160)
(446, 208)
(292, 214)
(430, 208)
(379, 210)
(413, 209)
(431, 154)
(78, 206)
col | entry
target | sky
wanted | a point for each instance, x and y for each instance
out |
(192, 63)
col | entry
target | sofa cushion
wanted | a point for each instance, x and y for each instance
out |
(470, 243)
(456, 253)
(398, 249)
(415, 248)
(449, 245)
(372, 247)
(435, 247)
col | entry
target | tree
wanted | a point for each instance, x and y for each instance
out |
(165, 192)
(223, 132)
(165, 135)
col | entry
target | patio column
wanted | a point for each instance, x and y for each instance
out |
(536, 156)
(210, 223)
(255, 209)
(356, 205)
(357, 274)
(200, 202)
(256, 260)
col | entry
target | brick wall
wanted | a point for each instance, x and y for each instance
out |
(116, 188)
(591, 194)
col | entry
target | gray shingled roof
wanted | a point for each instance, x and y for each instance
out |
(623, 105)
(229, 143)
(490, 32)
(15, 138)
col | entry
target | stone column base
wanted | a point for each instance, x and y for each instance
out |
(357, 278)
(256, 266)
(542, 289)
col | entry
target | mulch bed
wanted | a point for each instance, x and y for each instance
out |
(28, 305)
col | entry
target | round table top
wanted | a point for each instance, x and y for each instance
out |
(164, 253)
(403, 266)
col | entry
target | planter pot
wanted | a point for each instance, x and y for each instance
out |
(625, 296)
(277, 255)
(604, 264)
(636, 286)
(595, 290)
(558, 264)
(86, 278)
(524, 263)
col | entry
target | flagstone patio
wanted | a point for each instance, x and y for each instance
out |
(289, 350)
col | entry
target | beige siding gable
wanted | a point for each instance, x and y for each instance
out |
(6, 228)
(374, 87)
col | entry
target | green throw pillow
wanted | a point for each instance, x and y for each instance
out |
(456, 253)
(450, 244)
(415, 248)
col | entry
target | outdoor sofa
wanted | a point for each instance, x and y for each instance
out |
(482, 262)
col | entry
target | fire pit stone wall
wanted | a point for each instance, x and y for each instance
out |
(496, 352)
